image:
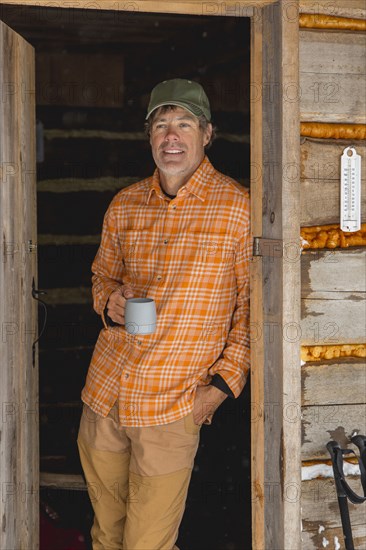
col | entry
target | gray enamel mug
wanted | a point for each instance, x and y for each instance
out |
(140, 316)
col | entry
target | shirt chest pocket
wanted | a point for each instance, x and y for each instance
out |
(215, 249)
(138, 248)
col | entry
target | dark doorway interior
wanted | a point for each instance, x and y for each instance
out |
(95, 70)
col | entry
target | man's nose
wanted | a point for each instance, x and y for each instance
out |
(171, 134)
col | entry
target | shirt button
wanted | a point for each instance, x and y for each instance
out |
(126, 376)
(174, 206)
(139, 342)
(166, 241)
(159, 277)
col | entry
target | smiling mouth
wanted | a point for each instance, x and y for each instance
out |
(173, 152)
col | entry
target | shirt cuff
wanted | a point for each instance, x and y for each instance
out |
(108, 320)
(220, 384)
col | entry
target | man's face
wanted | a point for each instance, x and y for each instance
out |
(178, 142)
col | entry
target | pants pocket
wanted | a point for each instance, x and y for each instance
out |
(190, 426)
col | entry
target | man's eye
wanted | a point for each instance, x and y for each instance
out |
(184, 125)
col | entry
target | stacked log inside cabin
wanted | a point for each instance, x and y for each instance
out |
(333, 268)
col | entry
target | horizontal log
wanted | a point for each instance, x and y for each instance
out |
(332, 76)
(76, 185)
(57, 133)
(320, 506)
(347, 380)
(47, 239)
(73, 482)
(324, 271)
(331, 236)
(65, 296)
(332, 539)
(340, 318)
(127, 119)
(320, 177)
(324, 130)
(321, 423)
(330, 22)
(327, 353)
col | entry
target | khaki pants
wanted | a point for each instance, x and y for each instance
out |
(137, 479)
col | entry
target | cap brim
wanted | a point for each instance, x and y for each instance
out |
(196, 111)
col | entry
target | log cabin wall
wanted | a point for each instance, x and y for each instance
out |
(333, 267)
(94, 73)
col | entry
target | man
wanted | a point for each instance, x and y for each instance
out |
(180, 237)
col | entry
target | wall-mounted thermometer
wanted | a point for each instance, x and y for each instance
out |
(350, 190)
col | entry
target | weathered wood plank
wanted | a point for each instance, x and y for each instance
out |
(324, 271)
(332, 76)
(320, 177)
(320, 202)
(332, 539)
(347, 380)
(321, 158)
(320, 507)
(280, 278)
(19, 452)
(340, 8)
(321, 423)
(244, 8)
(256, 293)
(339, 319)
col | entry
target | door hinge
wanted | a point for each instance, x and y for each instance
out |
(267, 247)
(32, 247)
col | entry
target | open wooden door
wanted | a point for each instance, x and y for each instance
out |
(19, 467)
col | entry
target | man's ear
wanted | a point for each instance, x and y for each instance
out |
(207, 134)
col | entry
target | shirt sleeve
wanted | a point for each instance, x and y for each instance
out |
(234, 362)
(220, 384)
(107, 267)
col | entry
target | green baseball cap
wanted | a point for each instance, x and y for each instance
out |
(183, 93)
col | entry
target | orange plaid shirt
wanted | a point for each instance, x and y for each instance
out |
(191, 255)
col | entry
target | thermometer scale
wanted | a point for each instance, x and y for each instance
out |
(350, 190)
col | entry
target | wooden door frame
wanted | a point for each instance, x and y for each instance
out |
(275, 278)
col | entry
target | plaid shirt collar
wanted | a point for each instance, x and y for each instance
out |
(197, 185)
